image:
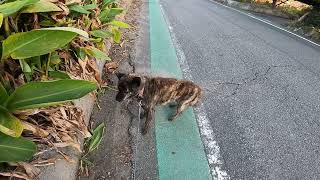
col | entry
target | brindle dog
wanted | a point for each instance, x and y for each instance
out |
(154, 91)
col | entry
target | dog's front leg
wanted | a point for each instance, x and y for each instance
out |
(149, 116)
(143, 111)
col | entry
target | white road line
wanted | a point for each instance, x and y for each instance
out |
(265, 21)
(206, 132)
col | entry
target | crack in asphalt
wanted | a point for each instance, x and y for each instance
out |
(256, 77)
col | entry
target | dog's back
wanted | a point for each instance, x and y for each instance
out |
(165, 90)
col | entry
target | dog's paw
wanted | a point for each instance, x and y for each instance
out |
(170, 119)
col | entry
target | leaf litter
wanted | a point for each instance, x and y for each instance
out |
(57, 127)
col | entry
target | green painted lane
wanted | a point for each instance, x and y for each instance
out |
(180, 152)
(163, 53)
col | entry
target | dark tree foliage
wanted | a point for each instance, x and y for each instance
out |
(314, 3)
(313, 18)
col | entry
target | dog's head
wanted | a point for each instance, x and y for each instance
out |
(128, 86)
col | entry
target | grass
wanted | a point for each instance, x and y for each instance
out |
(293, 10)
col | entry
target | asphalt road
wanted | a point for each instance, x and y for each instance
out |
(262, 89)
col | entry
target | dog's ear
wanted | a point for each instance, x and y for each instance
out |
(136, 82)
(119, 75)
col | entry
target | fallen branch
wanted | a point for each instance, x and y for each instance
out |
(304, 16)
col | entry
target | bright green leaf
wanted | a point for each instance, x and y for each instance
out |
(7, 86)
(35, 43)
(55, 58)
(38, 42)
(10, 8)
(115, 11)
(67, 29)
(9, 124)
(96, 40)
(96, 137)
(47, 23)
(59, 75)
(16, 149)
(3, 94)
(90, 6)
(92, 51)
(107, 14)
(81, 53)
(41, 6)
(42, 94)
(107, 2)
(79, 9)
(101, 33)
(103, 16)
(35, 61)
(119, 24)
(116, 35)
(25, 66)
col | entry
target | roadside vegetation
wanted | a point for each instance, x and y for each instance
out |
(49, 52)
(305, 14)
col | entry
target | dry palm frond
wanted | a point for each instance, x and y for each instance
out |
(15, 175)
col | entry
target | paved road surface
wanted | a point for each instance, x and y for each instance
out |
(262, 89)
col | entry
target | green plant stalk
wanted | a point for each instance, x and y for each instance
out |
(1, 69)
(6, 26)
(85, 155)
(111, 88)
(17, 19)
(48, 65)
(13, 24)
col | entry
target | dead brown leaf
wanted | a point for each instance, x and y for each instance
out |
(65, 137)
(83, 64)
(58, 16)
(121, 44)
(69, 2)
(67, 144)
(111, 67)
(46, 162)
(27, 112)
(95, 24)
(66, 157)
(63, 112)
(36, 130)
(93, 65)
(15, 174)
(31, 171)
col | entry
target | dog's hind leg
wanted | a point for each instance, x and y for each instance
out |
(180, 108)
(184, 104)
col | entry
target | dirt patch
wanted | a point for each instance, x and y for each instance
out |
(113, 158)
